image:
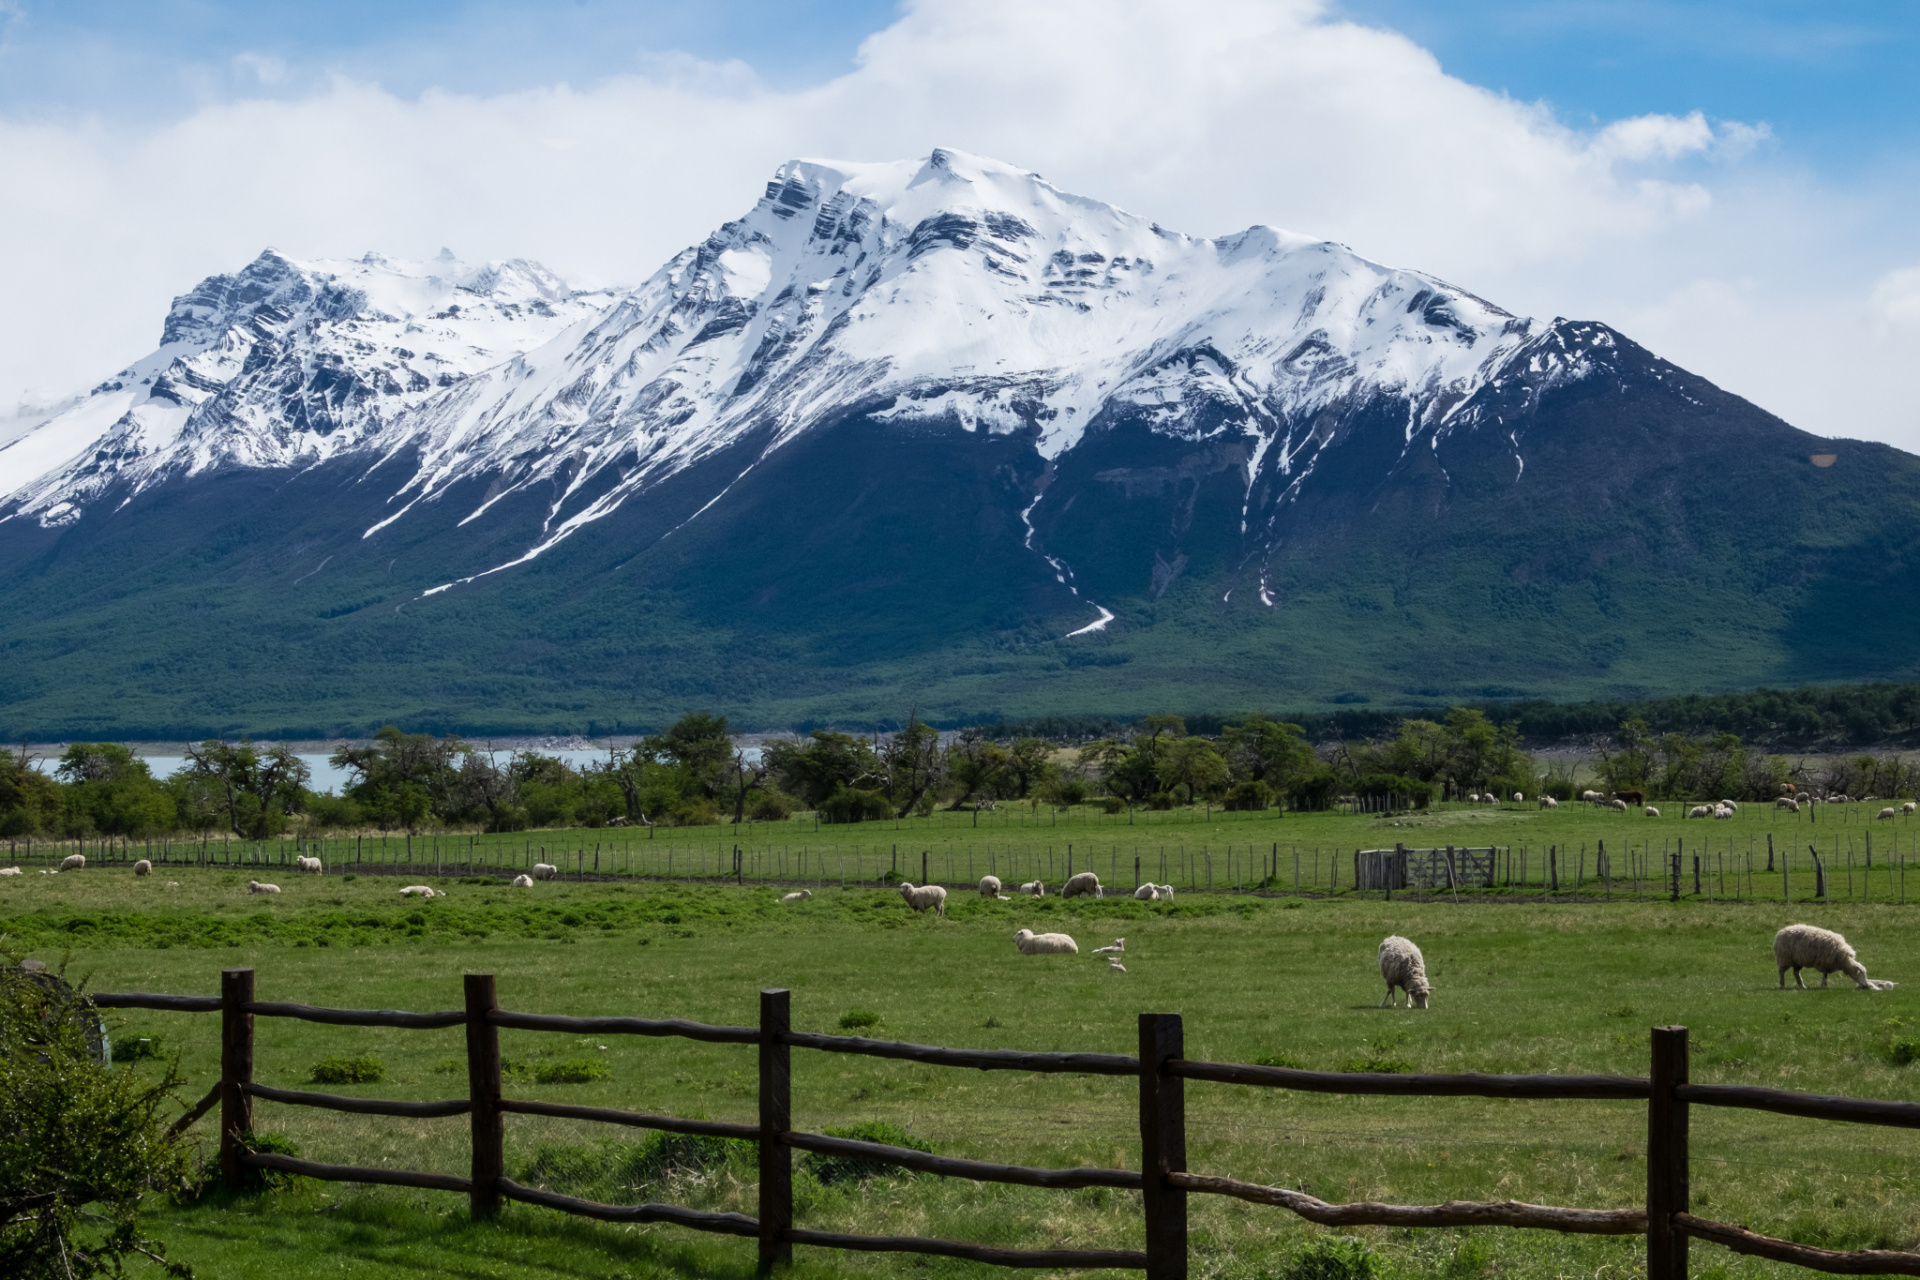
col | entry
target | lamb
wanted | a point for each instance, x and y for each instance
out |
(798, 895)
(1085, 884)
(254, 886)
(1034, 889)
(1402, 965)
(1887, 812)
(73, 862)
(1722, 813)
(1030, 943)
(545, 871)
(1163, 893)
(11, 871)
(143, 868)
(1548, 802)
(1119, 944)
(990, 886)
(1114, 965)
(418, 891)
(309, 865)
(523, 882)
(1700, 811)
(1805, 946)
(1652, 812)
(927, 895)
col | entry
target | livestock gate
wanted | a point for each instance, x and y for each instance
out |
(1452, 867)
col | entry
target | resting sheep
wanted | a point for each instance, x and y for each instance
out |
(1086, 884)
(990, 886)
(1652, 812)
(1805, 946)
(523, 882)
(73, 862)
(420, 891)
(143, 868)
(1045, 944)
(1548, 802)
(254, 886)
(309, 865)
(1402, 965)
(1034, 889)
(545, 871)
(11, 871)
(798, 895)
(928, 895)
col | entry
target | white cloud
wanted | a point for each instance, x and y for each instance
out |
(1896, 298)
(1206, 116)
(267, 70)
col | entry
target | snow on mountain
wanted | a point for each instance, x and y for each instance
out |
(283, 364)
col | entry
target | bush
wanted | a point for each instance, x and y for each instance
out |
(1313, 790)
(1113, 804)
(362, 1069)
(772, 806)
(571, 1071)
(832, 1169)
(1333, 1258)
(850, 804)
(257, 1179)
(854, 1019)
(1280, 1060)
(135, 1048)
(1412, 791)
(1249, 797)
(697, 811)
(611, 1170)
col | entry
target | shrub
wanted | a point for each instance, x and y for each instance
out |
(1313, 790)
(1333, 1258)
(772, 806)
(613, 1170)
(832, 1169)
(696, 811)
(1412, 791)
(854, 1019)
(361, 1069)
(850, 804)
(1280, 1060)
(133, 1049)
(257, 1179)
(1249, 797)
(1163, 800)
(571, 1071)
(1113, 804)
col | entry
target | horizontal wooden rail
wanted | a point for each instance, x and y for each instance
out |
(1096, 1064)
(1856, 1262)
(1036, 1258)
(733, 1224)
(357, 1017)
(359, 1106)
(625, 1027)
(1471, 1084)
(633, 1119)
(1454, 1213)
(354, 1173)
(977, 1170)
(1901, 1115)
(147, 1000)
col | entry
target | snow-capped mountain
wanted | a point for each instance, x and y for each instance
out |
(927, 434)
(283, 365)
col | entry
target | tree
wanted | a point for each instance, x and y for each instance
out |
(110, 790)
(820, 766)
(255, 789)
(1030, 762)
(1191, 763)
(403, 778)
(977, 767)
(29, 799)
(1270, 751)
(912, 765)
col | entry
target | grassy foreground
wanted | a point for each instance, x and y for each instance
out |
(1520, 987)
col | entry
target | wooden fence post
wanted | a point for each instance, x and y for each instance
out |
(1668, 1191)
(236, 1069)
(1163, 1145)
(776, 1118)
(483, 1092)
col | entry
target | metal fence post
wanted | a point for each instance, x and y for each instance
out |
(483, 1093)
(776, 1118)
(236, 1069)
(1163, 1146)
(1668, 1192)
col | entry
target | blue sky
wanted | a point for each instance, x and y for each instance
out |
(1732, 184)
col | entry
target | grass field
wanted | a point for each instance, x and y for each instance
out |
(1523, 984)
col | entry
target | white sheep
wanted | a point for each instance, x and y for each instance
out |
(1030, 943)
(1722, 813)
(798, 895)
(545, 871)
(1473, 797)
(73, 862)
(11, 871)
(1402, 965)
(523, 882)
(1147, 892)
(309, 865)
(254, 886)
(420, 891)
(990, 886)
(1592, 797)
(927, 895)
(1034, 889)
(1787, 802)
(1700, 811)
(1084, 885)
(1805, 946)
(1119, 944)
(1548, 802)
(1909, 807)
(1887, 812)
(1621, 805)
(143, 868)
(1652, 812)
(1163, 893)
(1114, 965)
(1731, 805)
(1518, 798)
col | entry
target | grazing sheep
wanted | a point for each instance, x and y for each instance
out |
(1722, 812)
(1731, 805)
(1114, 965)
(1631, 797)
(1473, 797)
(523, 882)
(1652, 812)
(545, 871)
(1548, 802)
(1887, 812)
(928, 895)
(1805, 946)
(420, 891)
(1621, 805)
(1700, 811)
(1787, 802)
(1119, 944)
(1030, 943)
(1084, 885)
(798, 895)
(1402, 965)
(1592, 797)
(1034, 889)
(11, 871)
(254, 886)
(990, 886)
(143, 868)
(73, 862)
(1518, 798)
(1909, 807)
(309, 865)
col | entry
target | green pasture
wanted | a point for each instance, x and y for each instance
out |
(1521, 986)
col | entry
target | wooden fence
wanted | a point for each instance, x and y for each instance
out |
(1164, 1180)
